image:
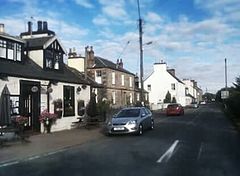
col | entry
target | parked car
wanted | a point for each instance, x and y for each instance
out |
(131, 120)
(174, 109)
(203, 102)
(193, 105)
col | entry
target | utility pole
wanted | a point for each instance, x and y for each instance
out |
(141, 54)
(225, 73)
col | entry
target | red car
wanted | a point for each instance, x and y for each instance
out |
(174, 109)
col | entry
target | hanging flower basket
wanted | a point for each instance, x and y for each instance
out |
(47, 119)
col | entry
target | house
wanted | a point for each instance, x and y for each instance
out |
(162, 81)
(32, 69)
(118, 83)
(193, 92)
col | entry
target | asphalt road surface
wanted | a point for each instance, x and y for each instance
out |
(201, 143)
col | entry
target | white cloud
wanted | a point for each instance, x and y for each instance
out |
(100, 20)
(84, 3)
(153, 17)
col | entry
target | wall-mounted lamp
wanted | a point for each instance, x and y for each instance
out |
(49, 90)
(79, 89)
(34, 89)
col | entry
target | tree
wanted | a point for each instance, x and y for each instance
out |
(92, 106)
(174, 100)
(167, 98)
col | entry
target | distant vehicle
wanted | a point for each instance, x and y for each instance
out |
(193, 105)
(174, 109)
(131, 120)
(203, 102)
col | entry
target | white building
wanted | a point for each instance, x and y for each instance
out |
(160, 82)
(193, 92)
(33, 71)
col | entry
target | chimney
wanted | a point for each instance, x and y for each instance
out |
(40, 25)
(45, 26)
(30, 27)
(171, 71)
(120, 63)
(2, 28)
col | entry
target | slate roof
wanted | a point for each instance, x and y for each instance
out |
(5, 35)
(175, 77)
(29, 69)
(37, 42)
(104, 63)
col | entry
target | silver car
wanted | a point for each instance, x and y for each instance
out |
(131, 120)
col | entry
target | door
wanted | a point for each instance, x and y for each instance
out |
(30, 103)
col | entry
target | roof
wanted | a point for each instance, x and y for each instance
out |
(104, 63)
(48, 32)
(89, 80)
(7, 36)
(175, 77)
(42, 42)
(29, 69)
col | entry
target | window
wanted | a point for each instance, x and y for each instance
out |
(19, 52)
(114, 97)
(149, 87)
(122, 80)
(131, 98)
(10, 47)
(130, 81)
(113, 77)
(99, 73)
(3, 50)
(173, 86)
(10, 50)
(53, 57)
(68, 94)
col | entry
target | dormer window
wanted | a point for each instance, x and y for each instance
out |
(10, 50)
(53, 57)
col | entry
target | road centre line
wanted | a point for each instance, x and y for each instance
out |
(200, 151)
(168, 154)
(9, 164)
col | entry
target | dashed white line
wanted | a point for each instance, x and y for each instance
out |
(9, 164)
(168, 154)
(200, 151)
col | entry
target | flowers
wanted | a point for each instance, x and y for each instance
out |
(47, 117)
(21, 120)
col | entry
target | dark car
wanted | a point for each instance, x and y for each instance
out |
(131, 120)
(174, 109)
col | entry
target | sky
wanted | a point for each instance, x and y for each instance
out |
(191, 36)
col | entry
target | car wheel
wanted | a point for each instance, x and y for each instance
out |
(152, 125)
(140, 130)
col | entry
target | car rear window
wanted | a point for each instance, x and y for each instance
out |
(172, 106)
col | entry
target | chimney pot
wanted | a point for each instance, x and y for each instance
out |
(30, 27)
(45, 26)
(2, 28)
(40, 25)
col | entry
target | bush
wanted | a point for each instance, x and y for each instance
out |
(233, 103)
(167, 98)
(92, 106)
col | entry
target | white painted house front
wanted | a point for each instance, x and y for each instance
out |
(160, 82)
(33, 72)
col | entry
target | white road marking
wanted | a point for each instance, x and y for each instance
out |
(9, 164)
(33, 158)
(200, 151)
(168, 154)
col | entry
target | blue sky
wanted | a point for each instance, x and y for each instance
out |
(192, 36)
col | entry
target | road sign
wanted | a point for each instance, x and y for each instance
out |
(224, 94)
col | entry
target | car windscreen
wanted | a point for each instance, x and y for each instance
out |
(125, 113)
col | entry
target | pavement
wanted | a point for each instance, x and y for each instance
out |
(46, 144)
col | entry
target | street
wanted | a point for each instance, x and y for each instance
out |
(203, 142)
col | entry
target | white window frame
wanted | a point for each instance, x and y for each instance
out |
(122, 80)
(114, 97)
(130, 81)
(113, 78)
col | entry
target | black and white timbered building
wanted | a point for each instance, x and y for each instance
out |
(33, 72)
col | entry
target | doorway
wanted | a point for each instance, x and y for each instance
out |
(30, 103)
